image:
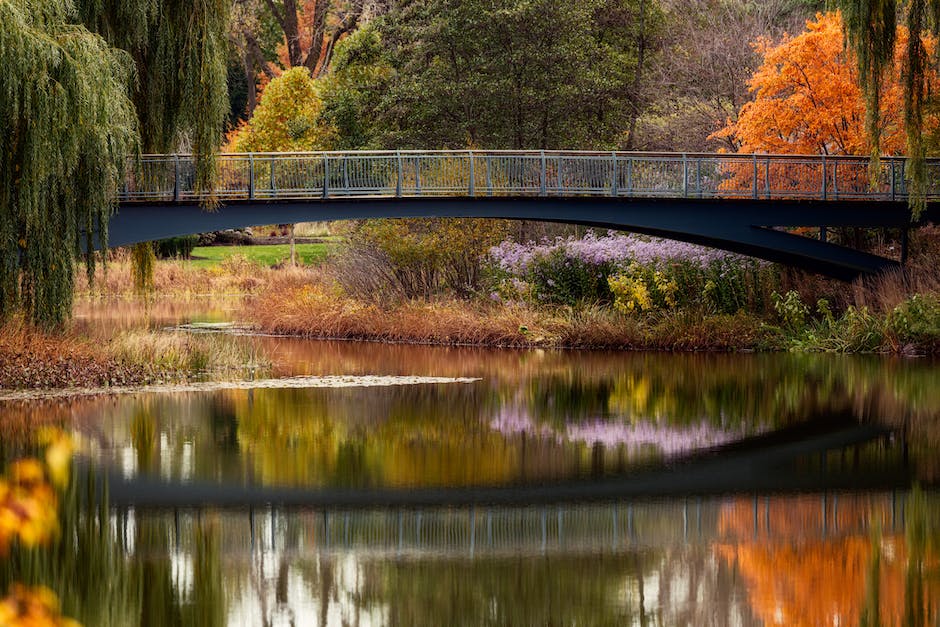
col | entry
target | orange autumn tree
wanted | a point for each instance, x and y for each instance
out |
(808, 99)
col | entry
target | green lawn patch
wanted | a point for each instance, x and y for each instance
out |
(265, 255)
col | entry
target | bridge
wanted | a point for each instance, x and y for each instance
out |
(739, 203)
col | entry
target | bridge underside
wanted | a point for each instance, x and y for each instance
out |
(738, 225)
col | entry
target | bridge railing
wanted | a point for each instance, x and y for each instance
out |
(470, 173)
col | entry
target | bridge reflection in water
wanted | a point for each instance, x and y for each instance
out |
(725, 201)
(481, 531)
(747, 560)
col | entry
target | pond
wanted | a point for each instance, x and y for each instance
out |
(515, 487)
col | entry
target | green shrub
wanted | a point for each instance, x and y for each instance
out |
(915, 323)
(177, 247)
(563, 280)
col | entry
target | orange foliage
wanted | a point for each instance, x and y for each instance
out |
(808, 99)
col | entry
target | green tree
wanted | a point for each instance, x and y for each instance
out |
(352, 90)
(512, 74)
(74, 105)
(180, 51)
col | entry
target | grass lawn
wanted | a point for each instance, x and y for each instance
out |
(266, 255)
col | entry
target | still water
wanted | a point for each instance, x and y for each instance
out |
(553, 488)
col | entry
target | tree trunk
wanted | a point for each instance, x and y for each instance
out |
(638, 76)
(293, 250)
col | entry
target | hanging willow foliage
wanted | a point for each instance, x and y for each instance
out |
(871, 27)
(181, 97)
(179, 49)
(66, 129)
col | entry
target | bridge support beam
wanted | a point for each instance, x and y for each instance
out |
(737, 225)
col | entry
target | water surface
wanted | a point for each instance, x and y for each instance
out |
(563, 488)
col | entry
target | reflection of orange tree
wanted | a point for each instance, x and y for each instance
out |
(796, 578)
(28, 515)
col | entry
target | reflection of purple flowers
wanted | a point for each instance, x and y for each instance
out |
(614, 248)
(667, 440)
(514, 420)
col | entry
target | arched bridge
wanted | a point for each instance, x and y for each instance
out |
(733, 202)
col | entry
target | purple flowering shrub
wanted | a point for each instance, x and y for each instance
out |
(574, 270)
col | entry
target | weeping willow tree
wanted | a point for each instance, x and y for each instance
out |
(871, 27)
(181, 98)
(84, 84)
(179, 50)
(67, 127)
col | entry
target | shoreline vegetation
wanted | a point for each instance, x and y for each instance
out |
(591, 291)
(34, 359)
(597, 291)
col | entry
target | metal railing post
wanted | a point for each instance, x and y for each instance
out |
(489, 178)
(825, 179)
(835, 180)
(176, 178)
(273, 184)
(685, 176)
(417, 176)
(698, 176)
(326, 176)
(472, 182)
(251, 176)
(755, 178)
(401, 174)
(767, 176)
(893, 174)
(542, 176)
(630, 176)
(615, 176)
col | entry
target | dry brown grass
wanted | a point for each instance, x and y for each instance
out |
(30, 358)
(180, 279)
(883, 293)
(34, 359)
(320, 309)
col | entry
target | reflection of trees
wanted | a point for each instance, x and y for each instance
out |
(393, 435)
(85, 566)
(174, 591)
(416, 435)
(102, 582)
(795, 578)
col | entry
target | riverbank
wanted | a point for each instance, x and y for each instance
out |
(912, 328)
(34, 359)
(317, 310)
(894, 314)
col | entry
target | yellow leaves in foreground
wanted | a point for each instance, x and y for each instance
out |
(32, 607)
(28, 500)
(29, 513)
(28, 505)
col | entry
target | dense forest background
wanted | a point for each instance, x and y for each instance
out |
(599, 74)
